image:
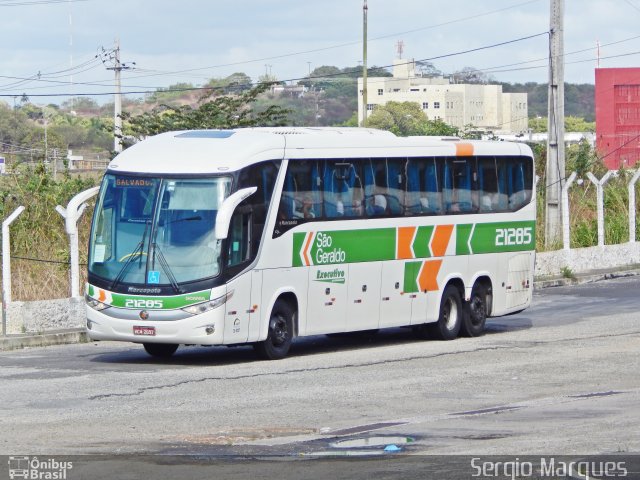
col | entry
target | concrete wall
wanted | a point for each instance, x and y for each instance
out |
(45, 315)
(584, 260)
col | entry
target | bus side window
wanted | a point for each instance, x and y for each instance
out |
(413, 196)
(519, 184)
(459, 185)
(395, 168)
(431, 198)
(263, 176)
(239, 241)
(503, 195)
(384, 186)
(422, 196)
(488, 184)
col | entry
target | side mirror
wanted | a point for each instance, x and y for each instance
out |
(223, 218)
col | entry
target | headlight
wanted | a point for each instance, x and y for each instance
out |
(95, 304)
(210, 305)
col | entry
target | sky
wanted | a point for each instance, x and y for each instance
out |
(50, 49)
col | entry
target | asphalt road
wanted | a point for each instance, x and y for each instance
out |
(562, 377)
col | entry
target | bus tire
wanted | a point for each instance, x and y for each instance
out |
(476, 315)
(160, 350)
(450, 319)
(280, 334)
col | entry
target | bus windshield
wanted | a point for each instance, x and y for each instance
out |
(155, 232)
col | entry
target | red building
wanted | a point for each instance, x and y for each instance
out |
(618, 116)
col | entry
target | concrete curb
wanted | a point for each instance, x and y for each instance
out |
(587, 277)
(15, 342)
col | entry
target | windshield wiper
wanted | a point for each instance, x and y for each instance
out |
(136, 252)
(165, 266)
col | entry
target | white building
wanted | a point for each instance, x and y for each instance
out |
(485, 107)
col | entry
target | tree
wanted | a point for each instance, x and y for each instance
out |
(472, 75)
(225, 111)
(407, 119)
(427, 69)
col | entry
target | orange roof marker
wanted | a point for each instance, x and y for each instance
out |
(405, 239)
(440, 240)
(464, 149)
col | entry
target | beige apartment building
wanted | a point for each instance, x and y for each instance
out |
(485, 107)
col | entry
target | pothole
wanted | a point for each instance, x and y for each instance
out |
(372, 442)
(241, 435)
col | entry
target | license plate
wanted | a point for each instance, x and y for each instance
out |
(148, 331)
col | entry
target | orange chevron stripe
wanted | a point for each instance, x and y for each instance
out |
(440, 240)
(464, 149)
(428, 276)
(102, 296)
(405, 239)
(305, 251)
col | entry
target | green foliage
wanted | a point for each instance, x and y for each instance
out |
(407, 119)
(39, 232)
(583, 200)
(567, 273)
(581, 158)
(170, 94)
(579, 98)
(227, 111)
(571, 124)
(472, 75)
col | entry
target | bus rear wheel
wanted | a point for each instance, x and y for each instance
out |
(160, 350)
(280, 335)
(476, 315)
(450, 319)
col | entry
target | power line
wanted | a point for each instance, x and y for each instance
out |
(348, 44)
(36, 2)
(495, 45)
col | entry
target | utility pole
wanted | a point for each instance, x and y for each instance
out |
(117, 67)
(364, 63)
(555, 143)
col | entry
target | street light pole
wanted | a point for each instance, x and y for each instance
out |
(117, 107)
(365, 10)
(555, 147)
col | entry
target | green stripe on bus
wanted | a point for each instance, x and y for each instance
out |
(411, 271)
(421, 243)
(379, 244)
(160, 303)
(462, 239)
(495, 237)
(346, 246)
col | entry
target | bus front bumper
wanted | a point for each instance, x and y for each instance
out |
(202, 329)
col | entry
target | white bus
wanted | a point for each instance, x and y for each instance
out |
(258, 236)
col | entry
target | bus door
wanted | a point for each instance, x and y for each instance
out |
(238, 310)
(239, 306)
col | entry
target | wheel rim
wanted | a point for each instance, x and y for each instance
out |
(477, 310)
(279, 330)
(450, 314)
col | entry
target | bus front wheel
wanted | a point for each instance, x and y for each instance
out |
(280, 334)
(450, 318)
(160, 350)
